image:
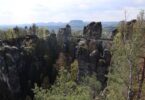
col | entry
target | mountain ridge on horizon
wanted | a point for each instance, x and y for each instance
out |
(75, 24)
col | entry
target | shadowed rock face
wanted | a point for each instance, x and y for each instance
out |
(22, 66)
(9, 56)
(93, 30)
(63, 37)
(65, 32)
(5, 93)
(93, 55)
(67, 46)
(93, 59)
(28, 60)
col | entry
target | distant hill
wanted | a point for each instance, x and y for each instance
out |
(109, 26)
(75, 24)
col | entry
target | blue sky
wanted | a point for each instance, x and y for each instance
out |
(32, 11)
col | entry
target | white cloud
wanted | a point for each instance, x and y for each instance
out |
(139, 1)
(29, 11)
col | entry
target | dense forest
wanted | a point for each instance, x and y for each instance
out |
(38, 64)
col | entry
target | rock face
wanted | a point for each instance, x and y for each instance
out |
(25, 64)
(65, 32)
(93, 59)
(93, 55)
(9, 57)
(93, 30)
(63, 37)
(67, 46)
(28, 60)
(83, 59)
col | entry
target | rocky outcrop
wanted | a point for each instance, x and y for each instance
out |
(83, 60)
(25, 64)
(63, 37)
(93, 54)
(27, 60)
(93, 59)
(64, 32)
(93, 30)
(67, 46)
(9, 57)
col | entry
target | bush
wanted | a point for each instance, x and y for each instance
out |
(67, 89)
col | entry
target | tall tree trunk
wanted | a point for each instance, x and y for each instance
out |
(130, 92)
(141, 82)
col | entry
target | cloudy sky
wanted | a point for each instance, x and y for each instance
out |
(32, 11)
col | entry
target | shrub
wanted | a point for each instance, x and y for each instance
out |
(67, 89)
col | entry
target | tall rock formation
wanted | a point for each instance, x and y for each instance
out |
(93, 30)
(63, 37)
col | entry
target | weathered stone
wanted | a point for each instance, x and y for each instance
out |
(93, 59)
(64, 32)
(9, 71)
(24, 65)
(107, 57)
(101, 73)
(29, 59)
(93, 30)
(63, 37)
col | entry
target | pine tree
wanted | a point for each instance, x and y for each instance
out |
(127, 51)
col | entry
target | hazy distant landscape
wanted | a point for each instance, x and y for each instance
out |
(76, 25)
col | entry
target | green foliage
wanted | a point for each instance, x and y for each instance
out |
(126, 53)
(7, 35)
(18, 32)
(74, 70)
(42, 32)
(67, 89)
(118, 77)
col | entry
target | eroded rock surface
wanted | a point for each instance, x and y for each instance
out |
(93, 30)
(29, 59)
